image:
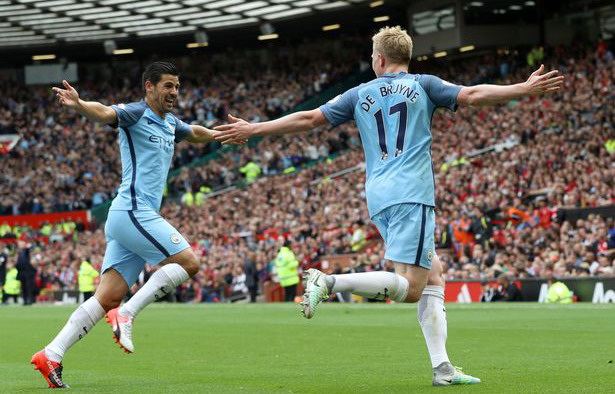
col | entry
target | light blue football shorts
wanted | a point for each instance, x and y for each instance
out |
(137, 237)
(408, 233)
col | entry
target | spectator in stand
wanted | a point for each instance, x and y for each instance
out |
(3, 262)
(508, 290)
(286, 266)
(26, 272)
(12, 286)
(86, 276)
(481, 227)
(488, 293)
(251, 171)
(251, 271)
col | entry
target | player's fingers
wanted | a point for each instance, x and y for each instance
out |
(67, 85)
(223, 127)
(550, 74)
(223, 137)
(540, 69)
(554, 88)
(233, 119)
(555, 82)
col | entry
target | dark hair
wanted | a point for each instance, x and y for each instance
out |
(154, 71)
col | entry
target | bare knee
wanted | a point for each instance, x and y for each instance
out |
(111, 290)
(417, 279)
(109, 301)
(415, 290)
(189, 262)
(191, 267)
(414, 295)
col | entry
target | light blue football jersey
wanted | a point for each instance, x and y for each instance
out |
(147, 143)
(393, 114)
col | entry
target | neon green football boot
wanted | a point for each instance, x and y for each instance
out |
(446, 374)
(316, 290)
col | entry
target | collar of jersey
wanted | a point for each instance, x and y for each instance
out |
(399, 74)
(155, 116)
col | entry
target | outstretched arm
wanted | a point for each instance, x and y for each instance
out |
(293, 123)
(69, 97)
(537, 84)
(202, 135)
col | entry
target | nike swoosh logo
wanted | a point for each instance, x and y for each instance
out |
(117, 332)
(447, 380)
(150, 121)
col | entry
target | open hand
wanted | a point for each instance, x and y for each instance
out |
(539, 83)
(233, 133)
(68, 96)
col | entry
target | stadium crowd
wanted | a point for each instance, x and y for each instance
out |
(501, 176)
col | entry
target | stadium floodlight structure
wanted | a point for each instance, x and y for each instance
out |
(201, 36)
(267, 28)
(267, 32)
(99, 20)
(109, 46)
(201, 40)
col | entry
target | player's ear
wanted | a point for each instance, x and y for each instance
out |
(149, 86)
(382, 60)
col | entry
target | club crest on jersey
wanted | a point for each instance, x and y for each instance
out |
(429, 255)
(175, 238)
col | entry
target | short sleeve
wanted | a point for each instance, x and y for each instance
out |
(341, 108)
(442, 93)
(182, 130)
(128, 114)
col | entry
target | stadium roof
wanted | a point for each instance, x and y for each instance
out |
(26, 23)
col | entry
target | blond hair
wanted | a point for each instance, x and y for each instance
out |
(394, 43)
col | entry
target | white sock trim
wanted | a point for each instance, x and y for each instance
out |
(93, 308)
(79, 324)
(176, 273)
(402, 289)
(163, 282)
(434, 290)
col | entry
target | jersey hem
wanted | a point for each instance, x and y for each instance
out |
(396, 202)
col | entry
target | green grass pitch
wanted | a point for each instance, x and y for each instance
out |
(367, 348)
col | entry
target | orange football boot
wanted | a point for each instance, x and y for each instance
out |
(51, 370)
